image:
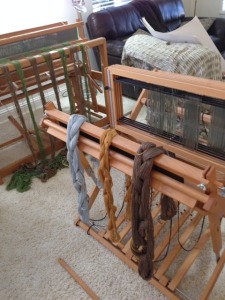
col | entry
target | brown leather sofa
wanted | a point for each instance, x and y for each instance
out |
(116, 24)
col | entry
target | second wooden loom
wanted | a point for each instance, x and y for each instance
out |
(202, 203)
(45, 68)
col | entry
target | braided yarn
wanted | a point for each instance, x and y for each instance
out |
(106, 179)
(76, 169)
(142, 243)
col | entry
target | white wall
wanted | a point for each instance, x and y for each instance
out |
(17, 15)
(209, 8)
(204, 8)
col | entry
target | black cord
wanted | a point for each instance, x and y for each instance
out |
(121, 209)
(93, 220)
(168, 246)
(64, 94)
(99, 219)
(178, 233)
(93, 224)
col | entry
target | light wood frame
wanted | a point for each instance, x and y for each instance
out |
(207, 203)
(77, 45)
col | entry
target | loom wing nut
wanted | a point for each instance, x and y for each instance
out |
(202, 186)
(42, 123)
(221, 191)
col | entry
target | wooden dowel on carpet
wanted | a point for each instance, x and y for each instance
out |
(78, 279)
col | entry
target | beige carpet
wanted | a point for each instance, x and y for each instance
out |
(36, 228)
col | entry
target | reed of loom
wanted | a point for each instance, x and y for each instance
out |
(205, 203)
(37, 71)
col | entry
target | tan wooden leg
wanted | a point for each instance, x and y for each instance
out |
(137, 107)
(216, 235)
(208, 288)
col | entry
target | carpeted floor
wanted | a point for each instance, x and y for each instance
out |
(37, 227)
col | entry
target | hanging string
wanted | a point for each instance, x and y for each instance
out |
(49, 62)
(178, 233)
(77, 82)
(68, 83)
(36, 130)
(18, 109)
(106, 180)
(85, 74)
(76, 169)
(33, 63)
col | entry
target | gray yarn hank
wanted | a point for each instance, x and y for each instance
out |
(76, 169)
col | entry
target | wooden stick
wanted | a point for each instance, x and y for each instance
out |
(78, 279)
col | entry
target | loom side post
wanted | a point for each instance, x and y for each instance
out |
(214, 215)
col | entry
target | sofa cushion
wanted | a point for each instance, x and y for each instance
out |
(169, 12)
(126, 21)
(115, 47)
(217, 30)
(114, 22)
(218, 42)
(145, 9)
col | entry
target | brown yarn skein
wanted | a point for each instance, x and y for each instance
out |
(168, 208)
(142, 243)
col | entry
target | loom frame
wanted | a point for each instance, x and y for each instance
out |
(197, 200)
(75, 45)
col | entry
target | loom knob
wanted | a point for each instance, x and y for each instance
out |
(201, 186)
(221, 191)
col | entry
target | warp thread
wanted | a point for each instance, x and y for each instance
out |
(76, 169)
(106, 180)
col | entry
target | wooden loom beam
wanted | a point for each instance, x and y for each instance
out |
(28, 30)
(37, 32)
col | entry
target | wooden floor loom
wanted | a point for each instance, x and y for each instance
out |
(196, 201)
(63, 59)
